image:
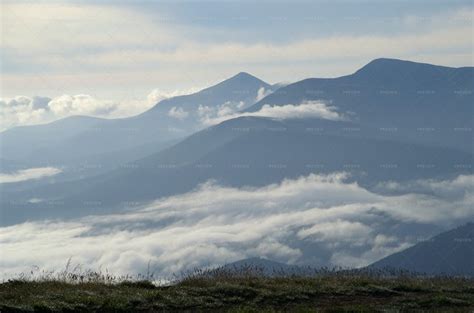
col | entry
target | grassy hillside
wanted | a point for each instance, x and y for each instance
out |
(331, 293)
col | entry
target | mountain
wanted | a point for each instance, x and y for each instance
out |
(413, 75)
(257, 151)
(78, 140)
(246, 151)
(19, 142)
(242, 87)
(408, 101)
(450, 253)
(97, 135)
(238, 92)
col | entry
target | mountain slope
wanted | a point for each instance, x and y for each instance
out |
(19, 142)
(241, 87)
(451, 253)
(246, 151)
(66, 140)
(409, 101)
(256, 151)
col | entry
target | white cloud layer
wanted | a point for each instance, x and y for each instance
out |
(178, 113)
(315, 219)
(135, 47)
(66, 105)
(29, 174)
(307, 109)
(22, 110)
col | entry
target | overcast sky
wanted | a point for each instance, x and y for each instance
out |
(121, 51)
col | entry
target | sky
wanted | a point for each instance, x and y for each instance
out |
(119, 58)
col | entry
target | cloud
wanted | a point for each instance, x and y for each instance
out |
(23, 110)
(178, 113)
(336, 231)
(446, 189)
(317, 219)
(262, 93)
(57, 27)
(29, 174)
(156, 95)
(136, 47)
(209, 115)
(79, 105)
(307, 109)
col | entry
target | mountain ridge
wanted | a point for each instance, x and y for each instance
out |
(294, 143)
(51, 142)
(448, 253)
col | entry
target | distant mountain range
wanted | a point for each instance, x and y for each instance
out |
(80, 139)
(391, 121)
(409, 115)
(402, 100)
(406, 121)
(449, 253)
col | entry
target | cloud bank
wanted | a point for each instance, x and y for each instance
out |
(29, 174)
(135, 47)
(23, 110)
(307, 109)
(317, 219)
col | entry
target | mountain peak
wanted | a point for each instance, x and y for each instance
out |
(388, 63)
(243, 81)
(244, 75)
(395, 71)
(240, 88)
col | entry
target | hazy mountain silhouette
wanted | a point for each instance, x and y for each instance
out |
(246, 151)
(450, 253)
(71, 140)
(251, 151)
(241, 87)
(409, 101)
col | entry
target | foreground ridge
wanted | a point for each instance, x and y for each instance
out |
(244, 293)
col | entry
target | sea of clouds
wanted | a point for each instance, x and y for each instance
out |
(315, 220)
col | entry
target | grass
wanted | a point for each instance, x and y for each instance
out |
(230, 291)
